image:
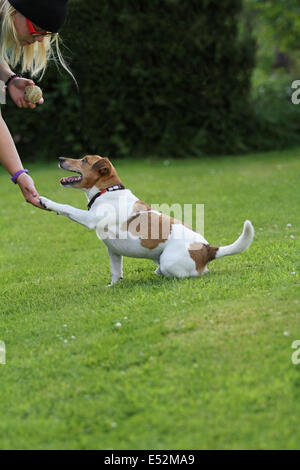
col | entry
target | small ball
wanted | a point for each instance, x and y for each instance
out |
(33, 93)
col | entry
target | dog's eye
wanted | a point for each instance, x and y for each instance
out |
(84, 160)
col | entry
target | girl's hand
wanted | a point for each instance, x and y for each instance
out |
(29, 192)
(16, 90)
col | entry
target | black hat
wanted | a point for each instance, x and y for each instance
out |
(47, 14)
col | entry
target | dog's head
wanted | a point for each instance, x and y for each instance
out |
(93, 171)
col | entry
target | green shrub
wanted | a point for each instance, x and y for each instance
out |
(276, 123)
(155, 76)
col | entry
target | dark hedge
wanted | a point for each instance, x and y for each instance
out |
(158, 77)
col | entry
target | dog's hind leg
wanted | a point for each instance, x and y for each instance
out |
(116, 267)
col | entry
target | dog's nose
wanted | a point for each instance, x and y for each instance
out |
(60, 161)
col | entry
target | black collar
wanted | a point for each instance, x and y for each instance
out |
(116, 187)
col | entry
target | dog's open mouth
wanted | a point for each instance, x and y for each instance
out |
(71, 179)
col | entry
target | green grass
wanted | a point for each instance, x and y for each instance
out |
(198, 363)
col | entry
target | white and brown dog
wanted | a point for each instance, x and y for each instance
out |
(129, 227)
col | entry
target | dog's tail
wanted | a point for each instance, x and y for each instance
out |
(240, 245)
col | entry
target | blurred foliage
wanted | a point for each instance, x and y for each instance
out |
(164, 77)
(167, 77)
(281, 19)
(277, 119)
(275, 25)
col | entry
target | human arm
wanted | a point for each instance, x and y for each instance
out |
(5, 71)
(10, 159)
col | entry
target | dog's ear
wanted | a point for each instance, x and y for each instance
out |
(102, 166)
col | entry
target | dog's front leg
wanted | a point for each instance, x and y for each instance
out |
(116, 267)
(82, 217)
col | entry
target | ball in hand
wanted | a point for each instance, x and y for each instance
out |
(33, 93)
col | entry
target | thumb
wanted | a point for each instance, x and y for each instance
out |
(27, 82)
(24, 83)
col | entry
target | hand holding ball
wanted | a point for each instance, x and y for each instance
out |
(33, 94)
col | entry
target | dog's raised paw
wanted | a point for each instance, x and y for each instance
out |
(44, 202)
(48, 204)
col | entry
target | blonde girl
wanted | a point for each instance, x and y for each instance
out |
(29, 30)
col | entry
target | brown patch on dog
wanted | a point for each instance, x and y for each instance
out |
(202, 254)
(107, 172)
(151, 227)
(140, 206)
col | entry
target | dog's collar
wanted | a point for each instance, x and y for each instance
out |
(116, 187)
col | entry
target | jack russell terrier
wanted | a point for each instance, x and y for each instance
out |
(129, 227)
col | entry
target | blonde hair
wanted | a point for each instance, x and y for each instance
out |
(32, 58)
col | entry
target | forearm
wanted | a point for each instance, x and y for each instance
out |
(9, 156)
(5, 72)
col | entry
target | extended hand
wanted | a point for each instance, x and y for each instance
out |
(16, 90)
(29, 192)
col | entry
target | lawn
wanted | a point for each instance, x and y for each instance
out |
(197, 363)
